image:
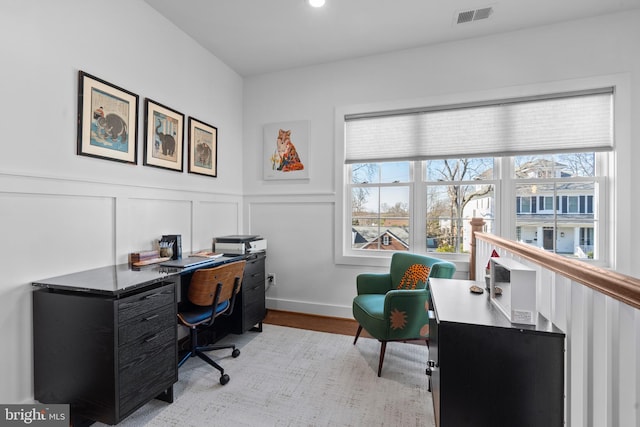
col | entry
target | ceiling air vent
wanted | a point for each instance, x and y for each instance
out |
(474, 15)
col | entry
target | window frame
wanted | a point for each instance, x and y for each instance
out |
(602, 191)
(505, 217)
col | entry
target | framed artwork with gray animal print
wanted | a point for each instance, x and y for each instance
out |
(107, 120)
(164, 136)
(203, 148)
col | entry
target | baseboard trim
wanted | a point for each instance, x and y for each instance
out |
(293, 306)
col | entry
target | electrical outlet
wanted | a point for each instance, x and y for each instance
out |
(271, 279)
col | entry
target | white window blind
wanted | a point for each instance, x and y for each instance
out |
(569, 122)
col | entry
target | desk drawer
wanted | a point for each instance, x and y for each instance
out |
(254, 313)
(253, 279)
(253, 295)
(254, 265)
(137, 304)
(147, 325)
(153, 372)
(138, 354)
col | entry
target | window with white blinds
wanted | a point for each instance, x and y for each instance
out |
(566, 122)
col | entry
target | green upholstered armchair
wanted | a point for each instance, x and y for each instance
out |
(394, 306)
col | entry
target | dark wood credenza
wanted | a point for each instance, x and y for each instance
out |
(486, 371)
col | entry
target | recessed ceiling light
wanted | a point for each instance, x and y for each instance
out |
(316, 3)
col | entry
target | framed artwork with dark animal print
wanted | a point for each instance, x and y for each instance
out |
(107, 120)
(163, 137)
(203, 148)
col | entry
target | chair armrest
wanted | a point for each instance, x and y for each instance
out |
(373, 283)
(407, 310)
(443, 270)
(409, 300)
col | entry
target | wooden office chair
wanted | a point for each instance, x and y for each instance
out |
(212, 293)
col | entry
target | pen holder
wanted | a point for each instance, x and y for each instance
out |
(166, 252)
(174, 242)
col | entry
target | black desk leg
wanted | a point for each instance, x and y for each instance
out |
(166, 396)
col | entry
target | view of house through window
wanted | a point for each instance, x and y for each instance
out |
(554, 202)
(380, 206)
(555, 207)
(532, 168)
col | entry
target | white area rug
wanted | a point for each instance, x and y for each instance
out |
(294, 377)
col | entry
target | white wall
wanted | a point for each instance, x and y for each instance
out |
(297, 218)
(60, 212)
(299, 221)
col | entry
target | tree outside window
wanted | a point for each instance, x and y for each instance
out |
(554, 203)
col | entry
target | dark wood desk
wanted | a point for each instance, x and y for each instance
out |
(486, 371)
(105, 340)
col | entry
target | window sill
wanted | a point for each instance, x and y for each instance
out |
(384, 259)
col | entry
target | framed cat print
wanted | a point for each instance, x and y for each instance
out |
(286, 150)
(164, 136)
(203, 148)
(107, 120)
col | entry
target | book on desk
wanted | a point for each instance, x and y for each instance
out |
(187, 262)
(207, 254)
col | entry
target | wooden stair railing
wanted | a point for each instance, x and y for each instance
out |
(616, 285)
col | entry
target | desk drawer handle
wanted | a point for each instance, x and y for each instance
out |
(151, 338)
(151, 317)
(157, 294)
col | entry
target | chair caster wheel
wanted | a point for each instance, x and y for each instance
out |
(224, 379)
(235, 353)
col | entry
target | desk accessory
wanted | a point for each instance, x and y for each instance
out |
(166, 249)
(239, 244)
(150, 261)
(175, 242)
(139, 259)
(208, 254)
(513, 290)
(475, 289)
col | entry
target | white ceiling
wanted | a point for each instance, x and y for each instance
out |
(260, 36)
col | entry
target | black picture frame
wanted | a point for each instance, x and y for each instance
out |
(203, 148)
(107, 120)
(164, 137)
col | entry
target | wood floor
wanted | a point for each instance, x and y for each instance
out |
(334, 325)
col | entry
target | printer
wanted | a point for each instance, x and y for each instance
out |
(239, 244)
